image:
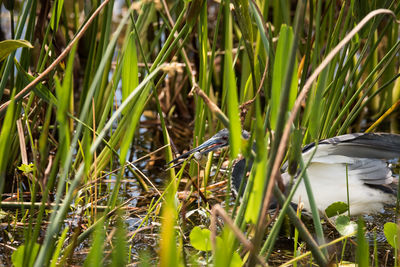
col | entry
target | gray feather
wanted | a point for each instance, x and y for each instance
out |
(361, 145)
(368, 154)
(371, 171)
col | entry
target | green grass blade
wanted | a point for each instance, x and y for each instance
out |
(279, 74)
(362, 255)
(96, 253)
(229, 86)
(130, 80)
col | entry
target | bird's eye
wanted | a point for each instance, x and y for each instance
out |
(198, 155)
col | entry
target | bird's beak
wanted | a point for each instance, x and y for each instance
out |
(211, 144)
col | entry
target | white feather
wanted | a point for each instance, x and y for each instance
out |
(327, 176)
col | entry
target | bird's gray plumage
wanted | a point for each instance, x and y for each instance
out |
(362, 145)
(366, 154)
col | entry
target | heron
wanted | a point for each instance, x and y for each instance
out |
(359, 162)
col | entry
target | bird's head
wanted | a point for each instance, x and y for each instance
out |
(217, 141)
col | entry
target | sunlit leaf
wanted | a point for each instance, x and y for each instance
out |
(17, 258)
(200, 239)
(130, 80)
(236, 260)
(168, 251)
(390, 230)
(9, 46)
(345, 226)
(27, 168)
(130, 73)
(279, 73)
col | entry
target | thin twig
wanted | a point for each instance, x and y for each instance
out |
(22, 145)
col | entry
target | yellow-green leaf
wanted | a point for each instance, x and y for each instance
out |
(390, 230)
(279, 73)
(17, 256)
(345, 226)
(200, 239)
(9, 46)
(27, 168)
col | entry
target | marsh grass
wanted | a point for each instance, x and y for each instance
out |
(78, 93)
